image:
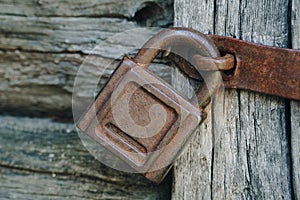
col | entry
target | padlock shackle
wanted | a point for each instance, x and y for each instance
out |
(181, 41)
(185, 43)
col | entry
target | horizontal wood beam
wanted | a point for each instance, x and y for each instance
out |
(41, 158)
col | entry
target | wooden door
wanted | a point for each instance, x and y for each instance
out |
(256, 153)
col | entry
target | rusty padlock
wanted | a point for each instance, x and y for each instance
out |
(141, 118)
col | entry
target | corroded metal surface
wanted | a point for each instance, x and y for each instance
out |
(153, 128)
(183, 42)
(224, 63)
(141, 118)
(264, 69)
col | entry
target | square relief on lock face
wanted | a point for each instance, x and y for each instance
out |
(138, 114)
(137, 120)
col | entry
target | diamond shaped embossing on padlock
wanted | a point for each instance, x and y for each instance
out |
(140, 118)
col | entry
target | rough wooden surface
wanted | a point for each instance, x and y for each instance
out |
(251, 155)
(41, 159)
(43, 43)
(295, 15)
(295, 106)
(295, 138)
(192, 172)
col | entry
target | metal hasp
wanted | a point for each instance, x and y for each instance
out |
(139, 117)
(264, 69)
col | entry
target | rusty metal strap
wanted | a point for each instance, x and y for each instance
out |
(264, 69)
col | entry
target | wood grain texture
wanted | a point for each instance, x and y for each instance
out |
(295, 106)
(250, 159)
(42, 159)
(34, 83)
(201, 13)
(295, 138)
(192, 172)
(43, 43)
(295, 15)
(85, 8)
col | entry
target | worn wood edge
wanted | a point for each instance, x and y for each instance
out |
(70, 35)
(295, 27)
(41, 83)
(19, 184)
(153, 9)
(295, 142)
(46, 155)
(43, 44)
(295, 106)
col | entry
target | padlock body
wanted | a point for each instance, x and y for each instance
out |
(141, 119)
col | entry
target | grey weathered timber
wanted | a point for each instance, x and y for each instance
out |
(295, 106)
(42, 159)
(295, 138)
(295, 15)
(192, 172)
(43, 43)
(88, 8)
(250, 158)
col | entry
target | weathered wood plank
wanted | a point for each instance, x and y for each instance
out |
(158, 11)
(295, 106)
(74, 26)
(42, 82)
(41, 159)
(202, 13)
(192, 172)
(295, 138)
(295, 15)
(32, 83)
(250, 158)
(18, 184)
(43, 43)
(66, 35)
(58, 34)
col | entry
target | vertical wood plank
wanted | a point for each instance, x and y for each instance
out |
(251, 158)
(196, 14)
(192, 172)
(295, 24)
(295, 106)
(295, 137)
